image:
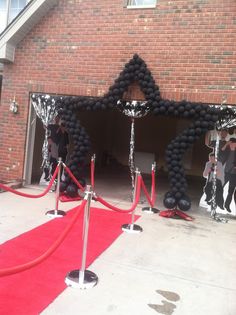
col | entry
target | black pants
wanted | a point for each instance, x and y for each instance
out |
(62, 154)
(208, 189)
(53, 165)
(231, 190)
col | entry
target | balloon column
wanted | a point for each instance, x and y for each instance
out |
(202, 118)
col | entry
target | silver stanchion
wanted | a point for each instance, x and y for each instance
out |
(83, 279)
(151, 209)
(133, 228)
(57, 213)
(93, 159)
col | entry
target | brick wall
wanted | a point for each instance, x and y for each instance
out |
(80, 47)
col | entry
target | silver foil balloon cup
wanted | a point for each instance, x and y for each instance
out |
(133, 109)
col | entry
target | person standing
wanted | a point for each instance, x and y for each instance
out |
(211, 143)
(53, 155)
(230, 172)
(53, 130)
(63, 142)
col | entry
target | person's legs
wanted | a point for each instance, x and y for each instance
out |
(46, 173)
(232, 184)
(54, 165)
(227, 177)
(208, 191)
(219, 194)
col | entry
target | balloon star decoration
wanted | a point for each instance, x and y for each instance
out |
(202, 118)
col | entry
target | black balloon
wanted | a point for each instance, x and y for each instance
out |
(170, 202)
(63, 186)
(184, 204)
(72, 190)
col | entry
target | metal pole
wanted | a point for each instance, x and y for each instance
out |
(153, 170)
(58, 185)
(88, 197)
(133, 228)
(151, 209)
(92, 174)
(82, 278)
(56, 212)
(137, 173)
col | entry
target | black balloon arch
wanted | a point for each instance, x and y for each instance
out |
(203, 118)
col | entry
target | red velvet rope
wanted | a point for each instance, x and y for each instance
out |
(134, 205)
(146, 193)
(4, 187)
(92, 172)
(73, 178)
(52, 248)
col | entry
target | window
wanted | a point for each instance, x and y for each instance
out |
(141, 3)
(9, 9)
(3, 14)
(15, 7)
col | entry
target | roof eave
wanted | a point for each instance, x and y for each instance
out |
(20, 26)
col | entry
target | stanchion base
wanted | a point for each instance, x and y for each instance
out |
(56, 213)
(150, 210)
(90, 279)
(131, 228)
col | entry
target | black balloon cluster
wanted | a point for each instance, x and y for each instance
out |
(203, 118)
(81, 143)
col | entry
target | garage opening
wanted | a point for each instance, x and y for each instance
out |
(109, 132)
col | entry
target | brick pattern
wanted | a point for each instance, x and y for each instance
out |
(80, 47)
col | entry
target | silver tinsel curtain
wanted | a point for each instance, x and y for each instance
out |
(44, 106)
(226, 120)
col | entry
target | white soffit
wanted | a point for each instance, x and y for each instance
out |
(21, 25)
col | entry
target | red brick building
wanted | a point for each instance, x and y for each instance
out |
(79, 48)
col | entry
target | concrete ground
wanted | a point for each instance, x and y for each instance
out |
(172, 267)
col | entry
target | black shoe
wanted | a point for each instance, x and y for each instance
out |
(228, 208)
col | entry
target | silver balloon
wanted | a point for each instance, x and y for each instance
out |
(133, 109)
(227, 116)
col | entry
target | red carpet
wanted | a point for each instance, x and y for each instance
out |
(31, 291)
(65, 198)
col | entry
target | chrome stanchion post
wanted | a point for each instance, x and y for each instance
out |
(57, 213)
(83, 279)
(133, 228)
(93, 158)
(151, 209)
